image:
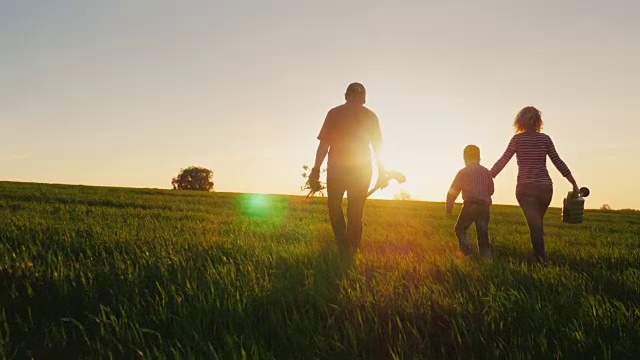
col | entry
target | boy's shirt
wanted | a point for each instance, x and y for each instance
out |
(475, 182)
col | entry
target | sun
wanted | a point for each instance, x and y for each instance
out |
(429, 168)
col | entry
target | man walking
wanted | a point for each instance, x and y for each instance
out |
(346, 135)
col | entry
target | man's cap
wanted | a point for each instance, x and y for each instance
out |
(356, 88)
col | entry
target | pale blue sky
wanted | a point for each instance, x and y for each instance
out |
(125, 93)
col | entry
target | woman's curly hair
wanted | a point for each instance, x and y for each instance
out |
(529, 119)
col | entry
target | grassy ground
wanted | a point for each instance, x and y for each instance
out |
(89, 272)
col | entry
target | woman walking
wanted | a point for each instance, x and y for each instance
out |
(534, 188)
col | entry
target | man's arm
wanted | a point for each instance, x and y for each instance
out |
(321, 153)
(376, 144)
(323, 148)
(377, 154)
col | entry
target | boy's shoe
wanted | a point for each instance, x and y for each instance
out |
(486, 253)
(465, 248)
(541, 259)
(343, 244)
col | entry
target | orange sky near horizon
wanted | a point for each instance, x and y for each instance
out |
(127, 93)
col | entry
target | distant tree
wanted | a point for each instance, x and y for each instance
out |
(402, 195)
(605, 207)
(193, 178)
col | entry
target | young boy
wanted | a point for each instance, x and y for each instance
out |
(476, 184)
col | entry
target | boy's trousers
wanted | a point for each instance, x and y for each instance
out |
(479, 214)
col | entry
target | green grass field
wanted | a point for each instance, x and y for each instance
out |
(90, 272)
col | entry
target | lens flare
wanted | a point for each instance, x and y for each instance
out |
(263, 215)
(257, 205)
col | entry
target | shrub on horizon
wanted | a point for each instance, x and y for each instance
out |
(193, 178)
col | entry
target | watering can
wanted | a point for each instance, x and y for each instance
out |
(573, 206)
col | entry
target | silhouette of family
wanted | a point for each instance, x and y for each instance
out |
(350, 129)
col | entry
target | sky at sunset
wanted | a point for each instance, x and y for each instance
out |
(125, 93)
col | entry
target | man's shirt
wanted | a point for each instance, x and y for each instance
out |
(349, 129)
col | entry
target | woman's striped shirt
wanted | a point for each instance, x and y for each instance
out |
(531, 151)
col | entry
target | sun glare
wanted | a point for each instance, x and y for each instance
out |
(427, 151)
(256, 204)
